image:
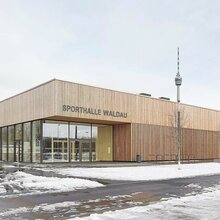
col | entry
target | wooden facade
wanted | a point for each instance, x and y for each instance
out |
(141, 125)
(155, 142)
(104, 148)
(122, 142)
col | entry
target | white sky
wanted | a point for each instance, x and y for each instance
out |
(126, 45)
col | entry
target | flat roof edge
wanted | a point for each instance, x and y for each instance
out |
(20, 93)
(148, 97)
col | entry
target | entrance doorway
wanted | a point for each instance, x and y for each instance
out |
(59, 150)
(75, 142)
(80, 150)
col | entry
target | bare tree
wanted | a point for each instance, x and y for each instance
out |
(173, 134)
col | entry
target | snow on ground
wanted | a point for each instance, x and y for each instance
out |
(71, 207)
(21, 182)
(197, 207)
(44, 207)
(157, 172)
(7, 166)
(201, 206)
(204, 205)
(2, 189)
(13, 212)
(53, 207)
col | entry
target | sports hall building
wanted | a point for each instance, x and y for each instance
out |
(61, 121)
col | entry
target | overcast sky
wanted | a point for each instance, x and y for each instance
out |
(125, 45)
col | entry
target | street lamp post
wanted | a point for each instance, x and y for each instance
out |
(178, 82)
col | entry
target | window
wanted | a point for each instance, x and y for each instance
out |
(36, 138)
(4, 143)
(55, 141)
(18, 142)
(11, 143)
(27, 142)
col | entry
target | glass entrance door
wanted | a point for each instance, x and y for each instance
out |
(80, 142)
(59, 150)
(80, 150)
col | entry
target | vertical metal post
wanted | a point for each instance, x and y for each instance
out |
(7, 143)
(0, 143)
(31, 141)
(41, 141)
(90, 143)
(18, 149)
(22, 142)
(69, 144)
(14, 134)
(178, 82)
(178, 134)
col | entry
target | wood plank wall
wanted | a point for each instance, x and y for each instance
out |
(139, 109)
(90, 97)
(155, 142)
(104, 143)
(30, 105)
(47, 100)
(200, 144)
(122, 142)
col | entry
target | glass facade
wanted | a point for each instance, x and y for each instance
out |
(27, 142)
(55, 141)
(36, 140)
(80, 142)
(84, 138)
(4, 143)
(94, 138)
(11, 143)
(74, 143)
(0, 143)
(18, 142)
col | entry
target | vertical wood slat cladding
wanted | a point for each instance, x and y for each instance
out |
(140, 109)
(200, 144)
(104, 144)
(30, 105)
(47, 100)
(152, 142)
(147, 129)
(155, 142)
(122, 142)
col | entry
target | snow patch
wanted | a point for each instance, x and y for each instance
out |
(2, 189)
(14, 211)
(21, 182)
(52, 207)
(140, 173)
(44, 207)
(200, 206)
(192, 185)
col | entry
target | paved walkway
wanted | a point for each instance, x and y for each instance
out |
(100, 164)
